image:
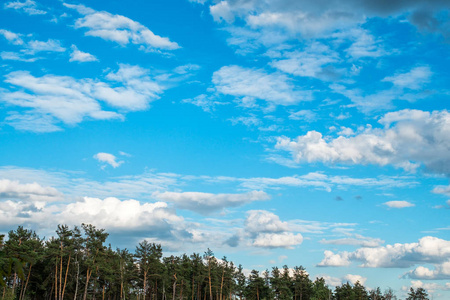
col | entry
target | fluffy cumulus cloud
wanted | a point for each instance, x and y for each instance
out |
(313, 18)
(334, 260)
(112, 213)
(441, 271)
(206, 203)
(51, 99)
(391, 145)
(250, 85)
(266, 230)
(264, 221)
(154, 220)
(427, 250)
(13, 189)
(119, 29)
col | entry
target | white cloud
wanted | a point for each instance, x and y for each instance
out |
(252, 84)
(155, 220)
(6, 55)
(12, 37)
(69, 100)
(441, 271)
(399, 204)
(278, 240)
(206, 203)
(119, 29)
(320, 181)
(64, 98)
(28, 6)
(113, 213)
(428, 250)
(430, 287)
(355, 278)
(445, 190)
(334, 260)
(13, 189)
(81, 56)
(48, 46)
(330, 280)
(186, 69)
(108, 158)
(428, 132)
(265, 229)
(414, 79)
(222, 12)
(264, 221)
(137, 186)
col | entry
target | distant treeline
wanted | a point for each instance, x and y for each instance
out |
(76, 264)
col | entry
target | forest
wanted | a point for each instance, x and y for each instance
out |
(76, 264)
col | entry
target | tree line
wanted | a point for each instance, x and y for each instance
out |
(76, 264)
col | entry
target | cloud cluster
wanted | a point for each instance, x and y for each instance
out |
(119, 29)
(115, 214)
(441, 271)
(428, 132)
(427, 250)
(266, 230)
(51, 99)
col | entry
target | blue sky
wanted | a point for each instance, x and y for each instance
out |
(310, 133)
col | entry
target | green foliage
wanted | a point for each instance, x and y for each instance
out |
(76, 264)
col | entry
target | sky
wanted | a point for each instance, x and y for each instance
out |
(313, 133)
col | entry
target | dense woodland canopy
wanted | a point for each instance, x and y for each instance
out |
(76, 264)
